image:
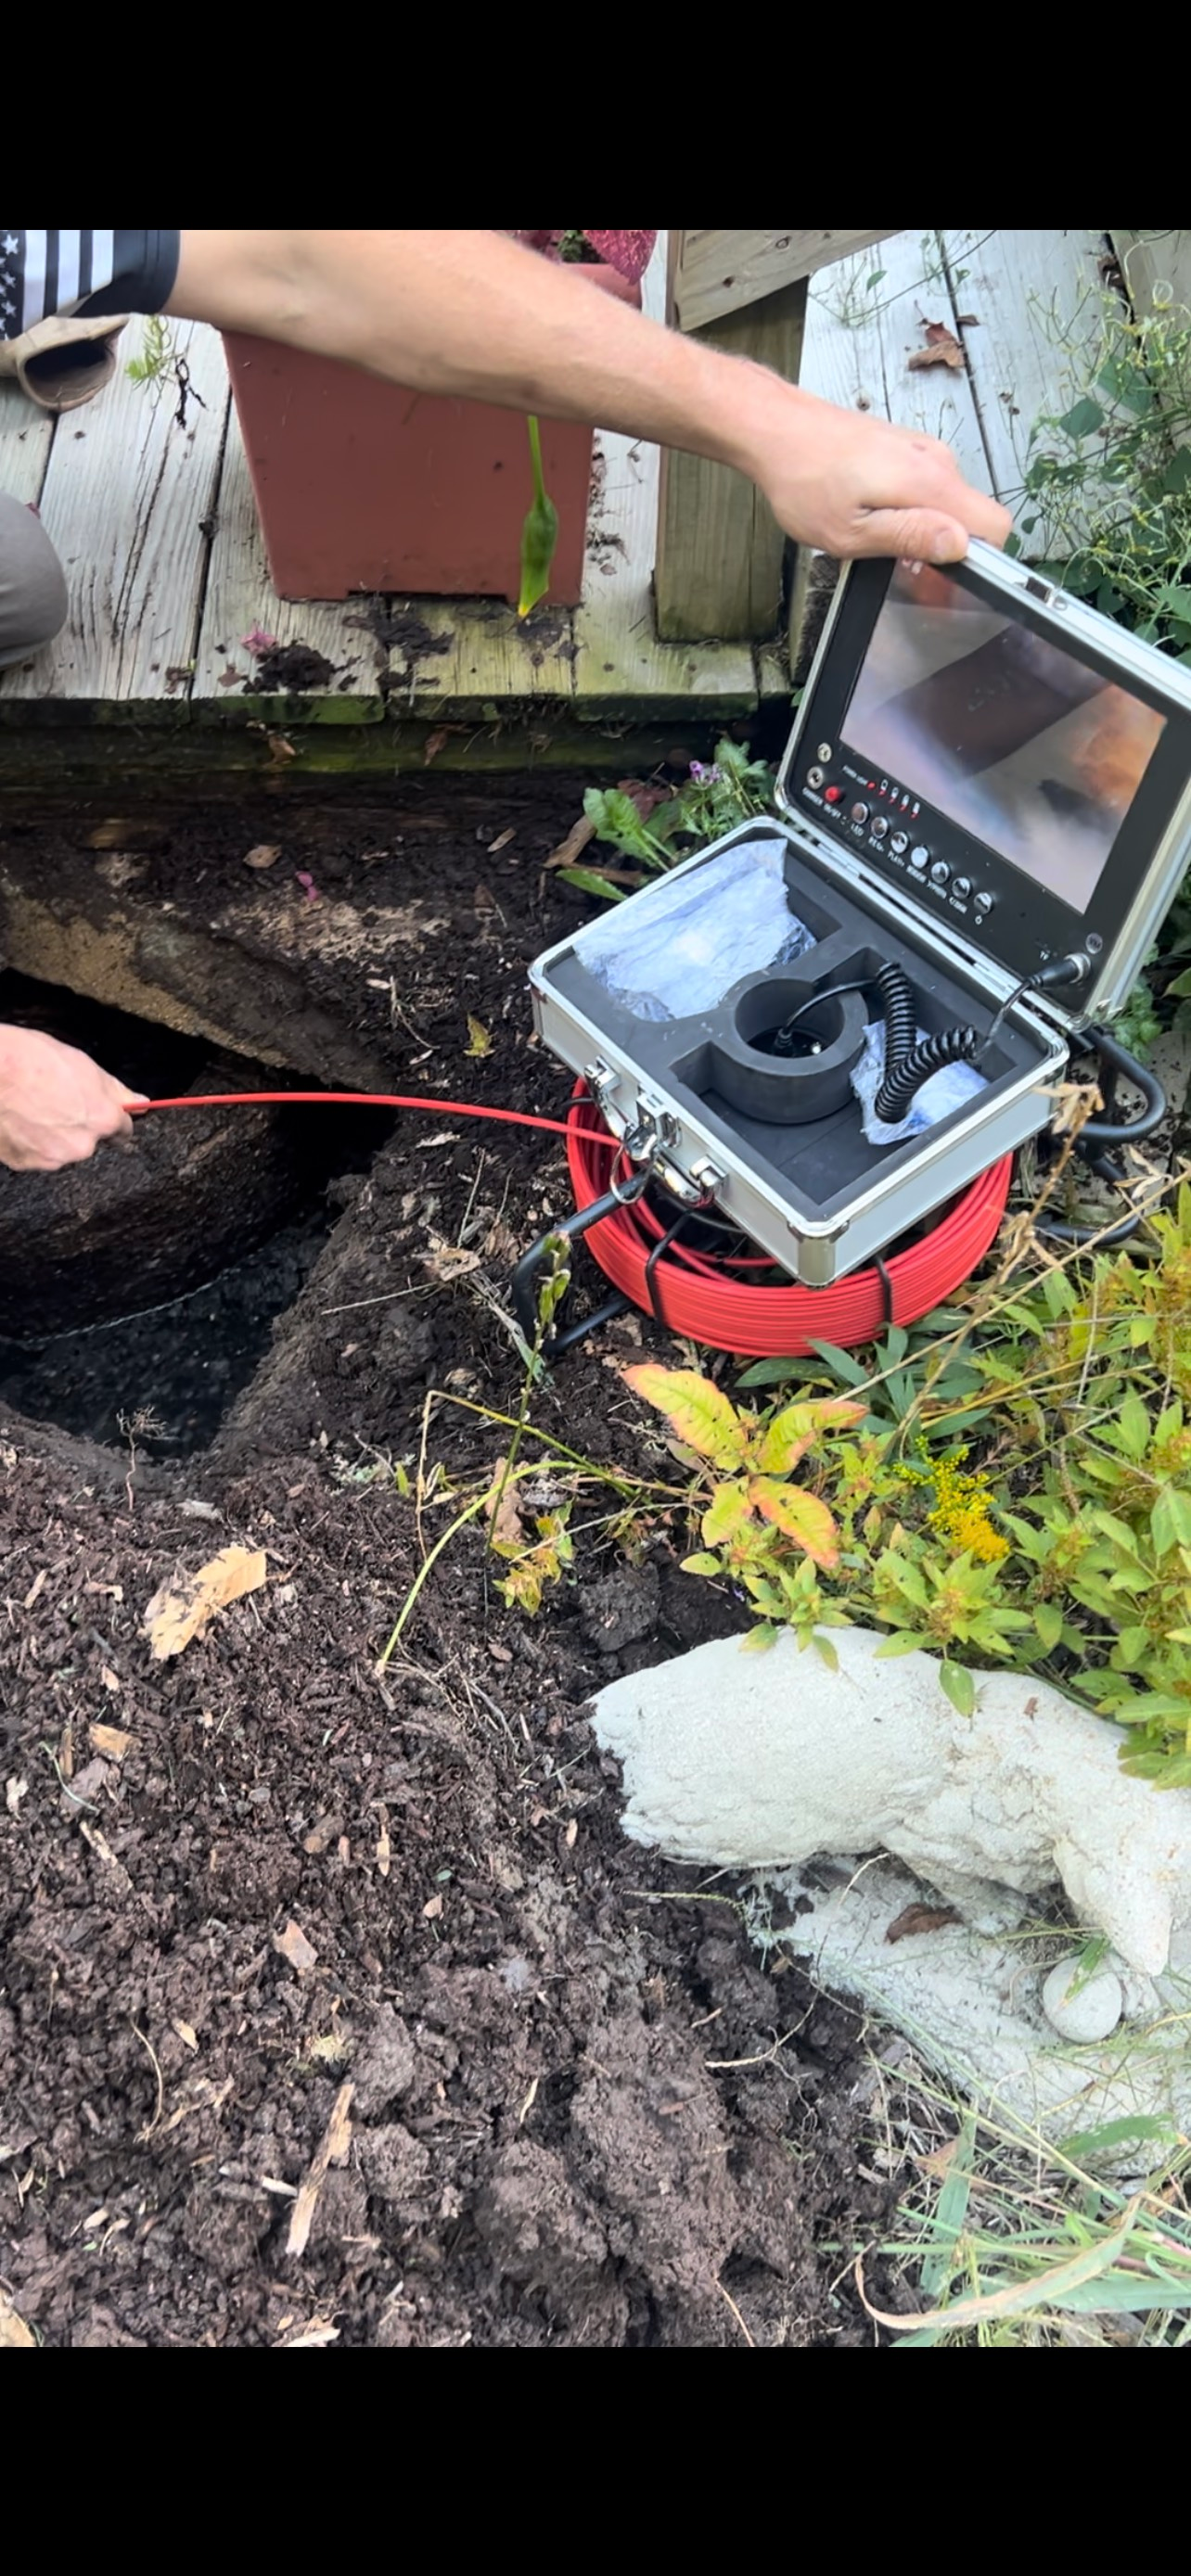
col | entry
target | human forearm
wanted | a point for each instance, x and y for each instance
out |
(472, 313)
(460, 312)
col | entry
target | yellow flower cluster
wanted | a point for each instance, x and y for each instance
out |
(961, 1512)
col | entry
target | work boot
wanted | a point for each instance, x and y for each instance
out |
(64, 360)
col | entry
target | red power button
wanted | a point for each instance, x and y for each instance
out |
(833, 795)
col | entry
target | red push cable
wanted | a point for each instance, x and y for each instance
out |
(774, 1323)
(697, 1296)
(355, 1100)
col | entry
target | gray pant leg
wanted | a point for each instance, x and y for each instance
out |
(33, 600)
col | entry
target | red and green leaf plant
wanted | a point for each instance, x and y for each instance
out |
(769, 1535)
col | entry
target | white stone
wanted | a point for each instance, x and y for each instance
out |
(970, 2003)
(1083, 2009)
(764, 1760)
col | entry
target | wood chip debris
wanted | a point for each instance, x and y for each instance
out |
(14, 2333)
(181, 1609)
(112, 1742)
(293, 1945)
(332, 2149)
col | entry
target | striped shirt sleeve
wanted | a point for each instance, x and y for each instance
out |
(91, 272)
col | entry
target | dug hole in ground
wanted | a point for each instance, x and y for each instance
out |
(337, 2006)
(583, 2107)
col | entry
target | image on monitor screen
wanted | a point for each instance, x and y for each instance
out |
(1015, 740)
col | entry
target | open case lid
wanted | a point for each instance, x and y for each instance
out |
(1014, 764)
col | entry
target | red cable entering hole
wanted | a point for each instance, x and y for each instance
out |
(354, 1100)
(696, 1298)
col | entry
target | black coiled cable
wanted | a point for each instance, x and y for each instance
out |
(901, 1018)
(907, 1065)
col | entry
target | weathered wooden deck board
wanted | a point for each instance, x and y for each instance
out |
(164, 557)
(1036, 301)
(619, 652)
(240, 598)
(26, 437)
(864, 321)
(125, 498)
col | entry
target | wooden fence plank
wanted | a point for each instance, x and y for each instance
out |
(719, 272)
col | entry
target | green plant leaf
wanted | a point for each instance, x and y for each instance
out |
(696, 1409)
(1048, 1620)
(589, 881)
(960, 1686)
(1084, 417)
(1170, 1520)
(539, 536)
(799, 1516)
(759, 1639)
(842, 1364)
(901, 1643)
(825, 1650)
(794, 1430)
(702, 1563)
(727, 1513)
(771, 1373)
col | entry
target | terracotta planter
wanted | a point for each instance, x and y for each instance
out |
(365, 486)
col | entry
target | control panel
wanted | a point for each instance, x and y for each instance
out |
(881, 816)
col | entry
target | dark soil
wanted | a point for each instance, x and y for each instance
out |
(290, 666)
(582, 2111)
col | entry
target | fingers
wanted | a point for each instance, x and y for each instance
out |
(933, 480)
(918, 536)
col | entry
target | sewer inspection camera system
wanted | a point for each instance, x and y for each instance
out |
(809, 1040)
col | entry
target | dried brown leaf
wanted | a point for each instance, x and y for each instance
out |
(432, 1910)
(264, 855)
(179, 1611)
(574, 845)
(920, 1918)
(942, 349)
(450, 1261)
(187, 2034)
(502, 840)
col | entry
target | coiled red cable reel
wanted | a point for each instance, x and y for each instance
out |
(712, 1299)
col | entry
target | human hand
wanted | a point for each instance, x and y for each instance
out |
(55, 1105)
(853, 485)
